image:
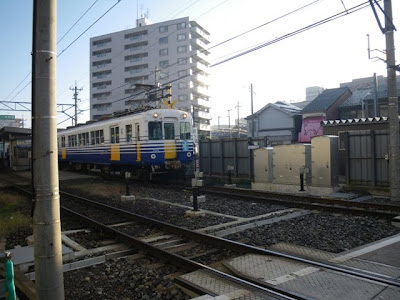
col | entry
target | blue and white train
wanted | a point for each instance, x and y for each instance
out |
(147, 142)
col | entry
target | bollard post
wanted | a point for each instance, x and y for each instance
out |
(127, 176)
(195, 203)
(301, 182)
(9, 278)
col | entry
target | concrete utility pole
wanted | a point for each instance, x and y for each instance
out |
(229, 122)
(393, 105)
(46, 197)
(76, 91)
(252, 112)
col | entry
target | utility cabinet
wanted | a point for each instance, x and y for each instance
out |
(290, 161)
(263, 167)
(324, 165)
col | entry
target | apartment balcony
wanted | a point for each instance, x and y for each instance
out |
(205, 127)
(200, 79)
(200, 34)
(200, 56)
(199, 67)
(201, 102)
(199, 90)
(199, 45)
(202, 115)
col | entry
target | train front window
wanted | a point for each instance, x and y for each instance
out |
(169, 131)
(185, 131)
(155, 131)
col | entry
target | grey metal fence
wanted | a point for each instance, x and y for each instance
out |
(217, 154)
(364, 157)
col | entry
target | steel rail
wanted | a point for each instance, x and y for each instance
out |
(275, 293)
(358, 208)
(233, 245)
(236, 246)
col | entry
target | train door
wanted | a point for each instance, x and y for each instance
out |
(114, 139)
(137, 137)
(169, 136)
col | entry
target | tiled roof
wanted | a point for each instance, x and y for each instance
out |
(357, 97)
(325, 100)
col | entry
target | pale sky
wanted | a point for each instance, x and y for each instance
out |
(323, 56)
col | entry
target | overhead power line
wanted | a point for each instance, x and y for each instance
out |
(267, 23)
(293, 33)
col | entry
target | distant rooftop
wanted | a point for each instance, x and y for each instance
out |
(325, 100)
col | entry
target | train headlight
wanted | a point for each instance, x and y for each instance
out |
(189, 154)
(184, 116)
(153, 156)
(155, 115)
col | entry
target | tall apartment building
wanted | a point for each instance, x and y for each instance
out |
(172, 52)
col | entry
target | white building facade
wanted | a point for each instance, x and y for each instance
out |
(172, 52)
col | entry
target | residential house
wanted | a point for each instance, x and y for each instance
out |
(280, 122)
(322, 108)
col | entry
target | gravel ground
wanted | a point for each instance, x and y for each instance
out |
(121, 279)
(323, 231)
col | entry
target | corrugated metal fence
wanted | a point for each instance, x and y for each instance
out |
(217, 155)
(363, 157)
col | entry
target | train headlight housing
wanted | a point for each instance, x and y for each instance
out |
(155, 115)
(184, 116)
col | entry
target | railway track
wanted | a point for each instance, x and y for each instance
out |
(166, 237)
(385, 211)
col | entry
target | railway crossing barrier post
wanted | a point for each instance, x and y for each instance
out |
(230, 169)
(127, 176)
(196, 183)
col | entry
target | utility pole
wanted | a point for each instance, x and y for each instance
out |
(46, 197)
(76, 91)
(252, 112)
(219, 117)
(393, 106)
(229, 123)
(376, 104)
(237, 106)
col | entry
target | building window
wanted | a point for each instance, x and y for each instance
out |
(163, 52)
(164, 75)
(182, 85)
(163, 40)
(182, 49)
(163, 29)
(182, 37)
(181, 25)
(182, 73)
(183, 97)
(164, 64)
(182, 61)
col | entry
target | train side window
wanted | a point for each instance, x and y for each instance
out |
(185, 131)
(101, 136)
(92, 138)
(128, 130)
(169, 131)
(63, 141)
(137, 126)
(155, 131)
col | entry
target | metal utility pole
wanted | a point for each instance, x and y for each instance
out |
(229, 123)
(76, 90)
(252, 112)
(46, 197)
(237, 106)
(376, 104)
(393, 105)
